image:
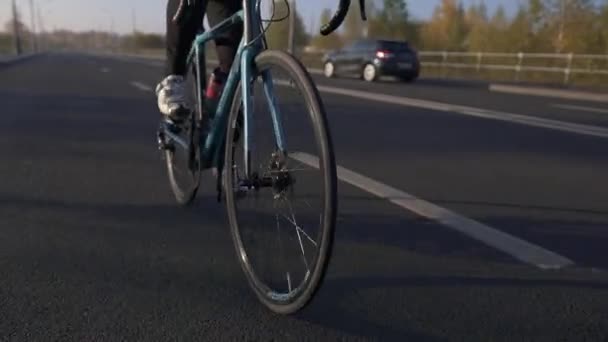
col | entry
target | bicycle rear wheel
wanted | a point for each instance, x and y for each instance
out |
(180, 145)
(282, 212)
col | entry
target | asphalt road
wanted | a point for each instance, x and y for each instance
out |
(93, 247)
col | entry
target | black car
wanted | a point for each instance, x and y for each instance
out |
(371, 59)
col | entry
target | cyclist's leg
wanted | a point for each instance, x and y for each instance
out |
(180, 37)
(170, 91)
(227, 45)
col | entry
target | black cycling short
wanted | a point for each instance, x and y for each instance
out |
(180, 37)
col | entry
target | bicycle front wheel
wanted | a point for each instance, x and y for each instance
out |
(281, 197)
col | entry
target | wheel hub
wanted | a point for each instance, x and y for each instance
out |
(281, 178)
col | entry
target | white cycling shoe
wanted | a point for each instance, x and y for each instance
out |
(171, 97)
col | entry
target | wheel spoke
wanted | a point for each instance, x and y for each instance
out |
(291, 170)
(301, 166)
(307, 204)
(281, 254)
(299, 229)
(299, 233)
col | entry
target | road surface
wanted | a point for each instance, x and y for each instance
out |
(472, 216)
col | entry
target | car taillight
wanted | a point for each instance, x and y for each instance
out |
(384, 54)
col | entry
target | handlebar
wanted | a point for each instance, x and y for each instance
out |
(340, 15)
(327, 29)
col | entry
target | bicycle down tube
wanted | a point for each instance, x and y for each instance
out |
(242, 70)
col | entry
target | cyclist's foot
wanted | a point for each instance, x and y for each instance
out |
(172, 98)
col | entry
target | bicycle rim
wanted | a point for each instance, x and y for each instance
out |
(282, 215)
(183, 158)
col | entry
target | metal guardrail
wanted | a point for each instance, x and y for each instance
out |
(566, 64)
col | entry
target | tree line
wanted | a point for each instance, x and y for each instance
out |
(67, 39)
(88, 40)
(555, 26)
(548, 26)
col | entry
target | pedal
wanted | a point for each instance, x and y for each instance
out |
(162, 142)
(172, 126)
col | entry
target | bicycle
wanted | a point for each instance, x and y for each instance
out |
(226, 137)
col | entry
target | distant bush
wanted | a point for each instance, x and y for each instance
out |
(6, 43)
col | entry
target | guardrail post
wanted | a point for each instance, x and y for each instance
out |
(520, 62)
(568, 69)
(542, 64)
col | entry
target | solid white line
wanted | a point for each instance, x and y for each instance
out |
(522, 250)
(471, 111)
(12, 59)
(590, 130)
(141, 86)
(583, 108)
(547, 92)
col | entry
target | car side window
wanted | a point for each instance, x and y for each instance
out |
(359, 46)
(368, 46)
(350, 48)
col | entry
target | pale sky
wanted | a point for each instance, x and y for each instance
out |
(99, 14)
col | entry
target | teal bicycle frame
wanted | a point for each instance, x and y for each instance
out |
(243, 70)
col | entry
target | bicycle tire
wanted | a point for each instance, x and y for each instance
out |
(327, 166)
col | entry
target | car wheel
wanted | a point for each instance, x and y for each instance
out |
(329, 70)
(370, 73)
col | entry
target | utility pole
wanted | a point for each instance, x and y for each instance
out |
(134, 22)
(43, 42)
(16, 33)
(112, 34)
(292, 27)
(34, 33)
(312, 26)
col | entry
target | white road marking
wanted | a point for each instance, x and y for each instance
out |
(548, 92)
(519, 249)
(583, 108)
(471, 111)
(589, 130)
(105, 70)
(141, 86)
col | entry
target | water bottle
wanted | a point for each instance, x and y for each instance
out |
(214, 91)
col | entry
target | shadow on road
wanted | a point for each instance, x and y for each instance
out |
(332, 316)
(336, 289)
